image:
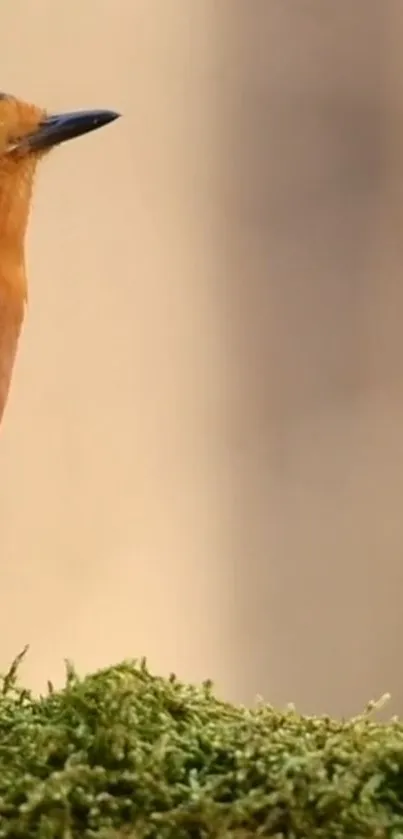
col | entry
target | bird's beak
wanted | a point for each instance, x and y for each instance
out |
(57, 128)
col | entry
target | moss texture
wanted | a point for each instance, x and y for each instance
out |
(122, 752)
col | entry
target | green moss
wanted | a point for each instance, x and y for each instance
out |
(122, 750)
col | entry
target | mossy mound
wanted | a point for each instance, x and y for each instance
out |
(123, 751)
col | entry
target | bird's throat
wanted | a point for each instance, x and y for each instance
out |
(13, 282)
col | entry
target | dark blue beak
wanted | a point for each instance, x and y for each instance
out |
(57, 128)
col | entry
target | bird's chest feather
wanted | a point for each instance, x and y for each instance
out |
(11, 318)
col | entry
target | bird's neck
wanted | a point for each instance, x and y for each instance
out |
(15, 200)
(13, 282)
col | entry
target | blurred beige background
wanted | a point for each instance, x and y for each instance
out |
(202, 458)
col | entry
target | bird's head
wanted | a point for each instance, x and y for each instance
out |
(27, 133)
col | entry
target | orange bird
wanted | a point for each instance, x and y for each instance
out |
(27, 133)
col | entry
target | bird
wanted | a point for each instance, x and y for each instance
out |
(27, 134)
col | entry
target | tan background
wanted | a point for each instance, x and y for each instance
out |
(202, 458)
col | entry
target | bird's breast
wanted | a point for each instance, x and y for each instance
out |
(11, 318)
